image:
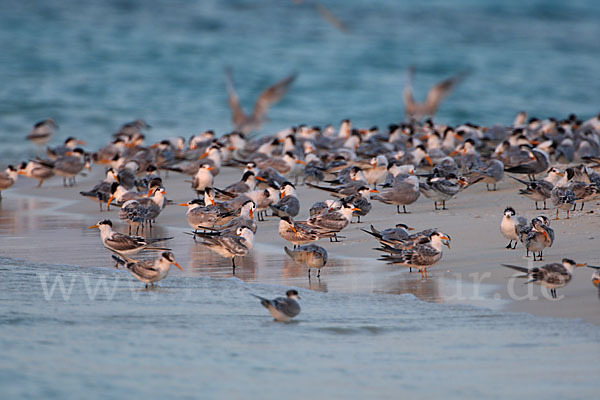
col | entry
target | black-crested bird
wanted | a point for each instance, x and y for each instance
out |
(551, 276)
(282, 309)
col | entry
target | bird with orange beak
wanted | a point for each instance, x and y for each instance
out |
(149, 271)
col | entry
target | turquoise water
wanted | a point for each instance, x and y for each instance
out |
(95, 65)
(103, 336)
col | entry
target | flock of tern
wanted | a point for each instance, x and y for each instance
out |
(553, 159)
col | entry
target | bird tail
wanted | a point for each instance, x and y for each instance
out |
(289, 252)
(157, 248)
(327, 189)
(265, 302)
(519, 180)
(156, 240)
(372, 233)
(119, 260)
(517, 268)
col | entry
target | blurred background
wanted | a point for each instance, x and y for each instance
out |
(93, 67)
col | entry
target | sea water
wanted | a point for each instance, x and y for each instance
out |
(93, 66)
(73, 332)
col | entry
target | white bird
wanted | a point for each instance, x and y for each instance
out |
(282, 309)
(511, 226)
(203, 178)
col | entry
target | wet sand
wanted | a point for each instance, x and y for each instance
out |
(49, 225)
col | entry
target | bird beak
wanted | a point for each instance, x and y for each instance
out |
(455, 152)
(300, 162)
(81, 142)
(261, 179)
(356, 209)
(548, 237)
(374, 191)
(177, 265)
(231, 148)
(210, 168)
(429, 160)
(251, 213)
(281, 195)
(150, 192)
(204, 155)
(581, 265)
(444, 238)
(21, 173)
(110, 199)
(294, 229)
(183, 204)
(92, 227)
(410, 229)
(116, 177)
(561, 174)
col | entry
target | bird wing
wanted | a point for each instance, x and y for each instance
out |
(286, 306)
(437, 93)
(270, 96)
(120, 242)
(144, 269)
(238, 117)
(410, 106)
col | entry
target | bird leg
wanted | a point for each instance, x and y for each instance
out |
(582, 204)
(309, 274)
(509, 246)
(435, 205)
(515, 246)
(404, 208)
(233, 264)
(536, 206)
(319, 274)
(556, 219)
(545, 208)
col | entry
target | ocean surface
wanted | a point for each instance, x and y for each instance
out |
(101, 335)
(93, 66)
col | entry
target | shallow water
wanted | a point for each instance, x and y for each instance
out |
(95, 65)
(106, 336)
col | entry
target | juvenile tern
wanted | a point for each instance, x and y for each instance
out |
(149, 271)
(229, 245)
(313, 256)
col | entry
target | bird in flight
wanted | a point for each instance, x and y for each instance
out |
(435, 95)
(247, 123)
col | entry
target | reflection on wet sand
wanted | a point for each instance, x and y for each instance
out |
(205, 262)
(28, 221)
(406, 282)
